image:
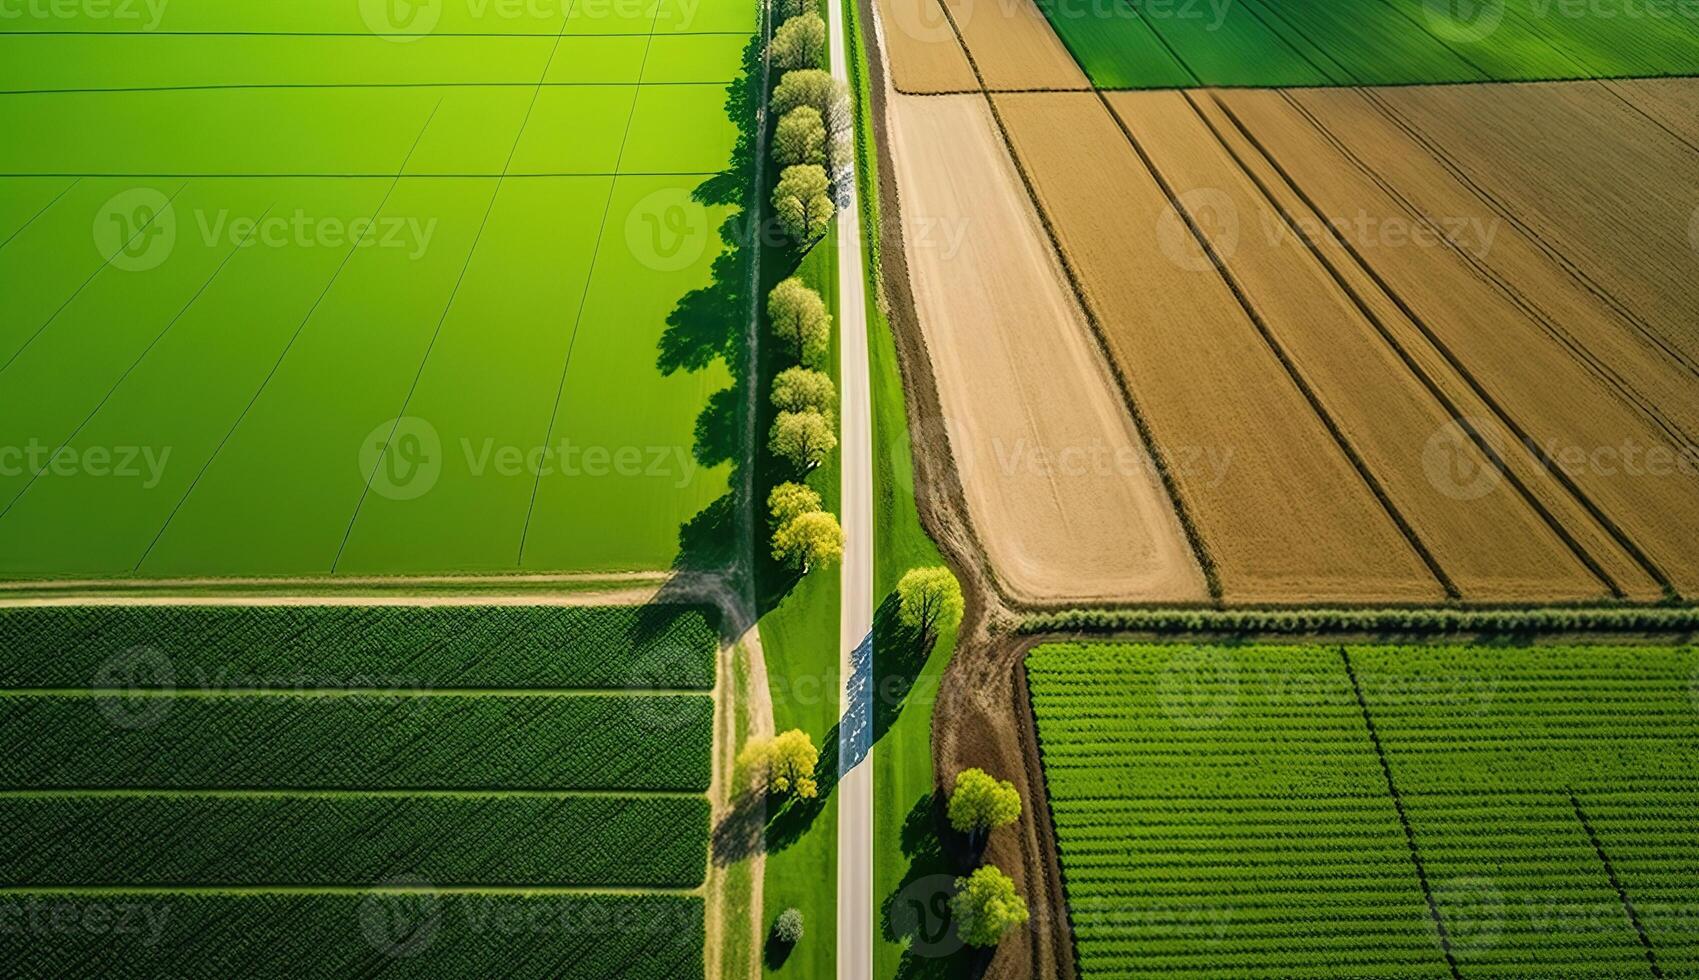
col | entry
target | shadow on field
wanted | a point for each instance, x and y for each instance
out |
(902, 653)
(917, 913)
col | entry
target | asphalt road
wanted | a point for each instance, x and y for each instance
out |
(855, 786)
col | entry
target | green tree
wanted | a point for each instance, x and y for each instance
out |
(930, 601)
(800, 137)
(981, 803)
(789, 501)
(798, 316)
(801, 203)
(794, 8)
(803, 438)
(799, 43)
(782, 764)
(809, 540)
(787, 928)
(810, 87)
(986, 906)
(799, 389)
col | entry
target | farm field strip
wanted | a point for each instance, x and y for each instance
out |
(521, 220)
(1012, 45)
(1545, 396)
(1056, 521)
(1261, 538)
(1185, 780)
(1289, 43)
(922, 53)
(1492, 549)
(215, 762)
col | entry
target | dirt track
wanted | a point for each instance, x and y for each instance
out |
(1065, 500)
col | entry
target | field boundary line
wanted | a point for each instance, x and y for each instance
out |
(1480, 391)
(1285, 358)
(37, 215)
(589, 277)
(1616, 883)
(1432, 386)
(1403, 817)
(1194, 536)
(283, 355)
(454, 294)
(401, 581)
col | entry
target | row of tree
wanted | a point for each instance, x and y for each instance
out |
(986, 903)
(814, 127)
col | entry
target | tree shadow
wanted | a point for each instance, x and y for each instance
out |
(917, 913)
(740, 833)
(901, 654)
(789, 821)
(776, 951)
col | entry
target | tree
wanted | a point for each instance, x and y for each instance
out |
(789, 501)
(800, 137)
(798, 389)
(986, 906)
(808, 540)
(783, 763)
(800, 43)
(801, 202)
(981, 803)
(798, 316)
(931, 600)
(811, 87)
(787, 928)
(803, 438)
(794, 8)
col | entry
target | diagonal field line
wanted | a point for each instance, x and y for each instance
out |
(589, 278)
(44, 209)
(91, 278)
(276, 366)
(136, 363)
(459, 281)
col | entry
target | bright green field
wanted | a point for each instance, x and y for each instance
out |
(332, 791)
(186, 392)
(1177, 43)
(1228, 811)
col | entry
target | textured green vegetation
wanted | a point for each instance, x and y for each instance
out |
(291, 936)
(666, 647)
(1672, 619)
(1232, 810)
(528, 175)
(342, 753)
(1173, 43)
(331, 840)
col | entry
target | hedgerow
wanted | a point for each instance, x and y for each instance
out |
(1300, 621)
(344, 840)
(662, 646)
(597, 741)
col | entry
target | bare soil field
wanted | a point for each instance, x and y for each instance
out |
(921, 48)
(1013, 46)
(1289, 519)
(1585, 389)
(1060, 489)
(1496, 548)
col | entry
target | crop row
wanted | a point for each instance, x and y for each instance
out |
(660, 646)
(615, 741)
(288, 936)
(354, 840)
(1241, 622)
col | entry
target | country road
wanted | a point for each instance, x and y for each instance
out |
(855, 787)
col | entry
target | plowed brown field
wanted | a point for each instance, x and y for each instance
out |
(1011, 43)
(1291, 519)
(1060, 489)
(921, 48)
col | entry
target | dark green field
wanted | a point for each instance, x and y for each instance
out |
(1181, 43)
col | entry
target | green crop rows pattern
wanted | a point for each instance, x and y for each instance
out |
(1224, 811)
(517, 772)
(186, 392)
(1176, 43)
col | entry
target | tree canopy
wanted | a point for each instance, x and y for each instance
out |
(799, 389)
(799, 43)
(798, 316)
(811, 87)
(986, 906)
(982, 803)
(783, 763)
(930, 600)
(789, 501)
(808, 540)
(801, 203)
(803, 438)
(800, 137)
